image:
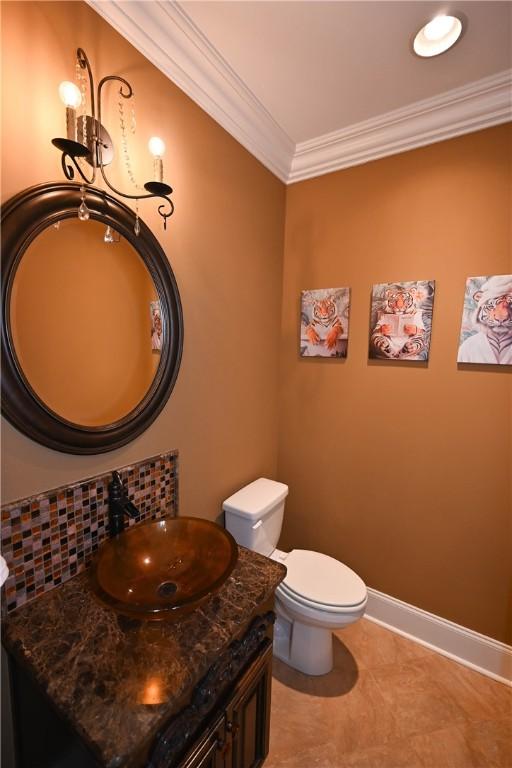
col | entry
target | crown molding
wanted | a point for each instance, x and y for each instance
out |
(168, 37)
(472, 107)
(165, 34)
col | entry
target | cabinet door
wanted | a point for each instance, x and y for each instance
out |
(211, 750)
(248, 713)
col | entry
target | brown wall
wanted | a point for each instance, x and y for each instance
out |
(403, 471)
(225, 245)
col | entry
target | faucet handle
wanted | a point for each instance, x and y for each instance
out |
(116, 489)
(116, 477)
(118, 492)
(131, 509)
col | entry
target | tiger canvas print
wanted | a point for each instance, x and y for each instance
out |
(324, 322)
(401, 320)
(486, 329)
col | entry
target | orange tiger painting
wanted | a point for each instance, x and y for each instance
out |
(401, 319)
(324, 322)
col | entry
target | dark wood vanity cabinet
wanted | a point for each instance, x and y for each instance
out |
(226, 724)
(249, 715)
(78, 715)
(239, 710)
(239, 737)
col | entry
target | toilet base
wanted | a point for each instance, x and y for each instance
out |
(303, 636)
(304, 647)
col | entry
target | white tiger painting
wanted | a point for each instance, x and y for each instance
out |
(324, 322)
(486, 329)
(401, 320)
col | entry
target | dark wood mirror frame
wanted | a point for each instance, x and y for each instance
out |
(23, 218)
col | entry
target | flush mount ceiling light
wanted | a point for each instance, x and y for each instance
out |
(437, 36)
(88, 142)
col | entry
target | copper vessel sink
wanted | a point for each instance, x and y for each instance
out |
(163, 569)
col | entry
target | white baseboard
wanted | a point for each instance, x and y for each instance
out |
(485, 655)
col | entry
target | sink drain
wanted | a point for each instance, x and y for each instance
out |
(166, 589)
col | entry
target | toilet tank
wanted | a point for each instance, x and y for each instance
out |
(254, 515)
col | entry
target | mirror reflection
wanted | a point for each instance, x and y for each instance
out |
(85, 322)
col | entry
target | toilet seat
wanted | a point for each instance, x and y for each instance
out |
(320, 582)
(301, 604)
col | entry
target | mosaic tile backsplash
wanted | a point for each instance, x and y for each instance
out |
(49, 538)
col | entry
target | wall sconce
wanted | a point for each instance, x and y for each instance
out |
(87, 140)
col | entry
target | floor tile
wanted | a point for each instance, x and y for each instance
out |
(419, 704)
(491, 741)
(375, 646)
(319, 756)
(361, 718)
(388, 703)
(446, 748)
(480, 697)
(396, 754)
(487, 744)
(297, 721)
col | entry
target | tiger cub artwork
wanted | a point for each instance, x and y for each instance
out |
(401, 320)
(324, 322)
(486, 330)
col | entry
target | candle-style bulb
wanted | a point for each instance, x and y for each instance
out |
(156, 146)
(70, 94)
(71, 97)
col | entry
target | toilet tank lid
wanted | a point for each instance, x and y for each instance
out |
(256, 499)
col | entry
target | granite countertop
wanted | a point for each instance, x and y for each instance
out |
(118, 680)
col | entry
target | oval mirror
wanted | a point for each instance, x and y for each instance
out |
(92, 325)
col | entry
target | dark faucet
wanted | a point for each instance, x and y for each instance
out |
(119, 505)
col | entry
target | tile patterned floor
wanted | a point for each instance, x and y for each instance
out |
(388, 703)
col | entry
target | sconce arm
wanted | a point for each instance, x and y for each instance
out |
(122, 93)
(164, 215)
(70, 174)
(84, 63)
(161, 211)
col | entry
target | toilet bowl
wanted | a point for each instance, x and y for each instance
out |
(318, 595)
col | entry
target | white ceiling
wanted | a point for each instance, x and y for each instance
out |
(312, 86)
(321, 66)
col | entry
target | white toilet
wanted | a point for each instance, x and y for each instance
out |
(318, 594)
